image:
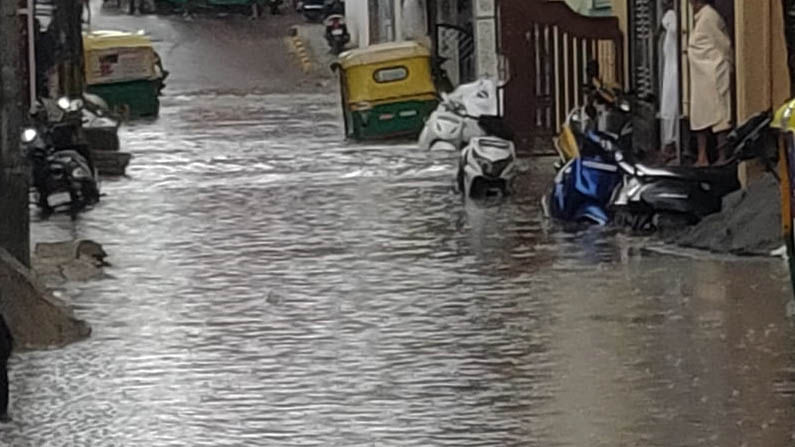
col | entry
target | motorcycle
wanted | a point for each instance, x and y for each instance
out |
(337, 34)
(605, 109)
(652, 198)
(487, 165)
(583, 187)
(456, 119)
(62, 172)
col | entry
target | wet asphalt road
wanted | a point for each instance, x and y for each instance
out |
(274, 285)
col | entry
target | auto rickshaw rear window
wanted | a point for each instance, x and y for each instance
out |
(391, 74)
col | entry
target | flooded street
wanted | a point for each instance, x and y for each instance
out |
(274, 285)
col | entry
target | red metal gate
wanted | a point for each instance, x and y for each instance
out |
(548, 46)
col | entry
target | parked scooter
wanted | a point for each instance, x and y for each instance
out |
(583, 187)
(487, 166)
(455, 121)
(651, 198)
(62, 176)
(606, 109)
(337, 34)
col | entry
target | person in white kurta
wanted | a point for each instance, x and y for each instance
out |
(669, 103)
(711, 64)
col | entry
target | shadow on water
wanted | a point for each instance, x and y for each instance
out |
(273, 285)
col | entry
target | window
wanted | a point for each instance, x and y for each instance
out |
(391, 74)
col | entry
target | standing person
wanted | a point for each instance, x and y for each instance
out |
(669, 103)
(6, 343)
(711, 64)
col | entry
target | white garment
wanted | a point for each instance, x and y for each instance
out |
(669, 103)
(711, 64)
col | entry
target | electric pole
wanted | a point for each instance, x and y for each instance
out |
(14, 173)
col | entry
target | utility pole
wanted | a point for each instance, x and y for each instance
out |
(14, 173)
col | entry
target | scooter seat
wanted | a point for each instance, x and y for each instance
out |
(708, 174)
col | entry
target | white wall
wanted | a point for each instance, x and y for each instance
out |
(357, 18)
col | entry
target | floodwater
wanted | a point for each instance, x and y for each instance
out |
(273, 285)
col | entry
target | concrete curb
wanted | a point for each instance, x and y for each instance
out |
(298, 46)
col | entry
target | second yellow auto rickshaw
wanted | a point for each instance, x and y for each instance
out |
(387, 90)
(784, 121)
(124, 70)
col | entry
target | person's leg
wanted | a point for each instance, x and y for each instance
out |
(702, 138)
(721, 138)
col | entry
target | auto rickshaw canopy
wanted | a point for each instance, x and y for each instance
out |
(390, 72)
(784, 119)
(116, 56)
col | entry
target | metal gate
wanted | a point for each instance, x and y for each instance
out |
(645, 54)
(548, 46)
(456, 46)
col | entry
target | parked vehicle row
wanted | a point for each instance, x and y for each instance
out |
(63, 175)
(602, 181)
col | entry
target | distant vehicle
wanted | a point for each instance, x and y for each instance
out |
(337, 34)
(313, 10)
(125, 71)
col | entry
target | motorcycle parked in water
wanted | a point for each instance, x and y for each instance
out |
(337, 34)
(487, 165)
(62, 172)
(583, 187)
(455, 121)
(606, 109)
(650, 198)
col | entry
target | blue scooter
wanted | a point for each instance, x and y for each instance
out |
(583, 187)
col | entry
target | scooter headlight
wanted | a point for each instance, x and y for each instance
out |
(29, 135)
(69, 105)
(64, 103)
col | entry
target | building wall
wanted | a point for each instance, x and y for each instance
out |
(761, 53)
(358, 21)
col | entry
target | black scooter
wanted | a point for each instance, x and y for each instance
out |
(62, 173)
(337, 34)
(653, 198)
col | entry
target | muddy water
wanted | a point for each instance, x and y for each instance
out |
(273, 285)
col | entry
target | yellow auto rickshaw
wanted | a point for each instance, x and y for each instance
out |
(124, 70)
(784, 121)
(387, 90)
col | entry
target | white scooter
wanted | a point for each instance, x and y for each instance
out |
(455, 121)
(487, 166)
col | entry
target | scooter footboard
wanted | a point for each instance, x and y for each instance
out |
(676, 197)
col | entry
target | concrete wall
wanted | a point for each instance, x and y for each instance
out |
(357, 18)
(761, 53)
(36, 318)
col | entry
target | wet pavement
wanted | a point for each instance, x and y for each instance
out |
(274, 285)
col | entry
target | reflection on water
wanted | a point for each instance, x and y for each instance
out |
(273, 285)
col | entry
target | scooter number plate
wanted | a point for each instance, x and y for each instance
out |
(59, 198)
(336, 32)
